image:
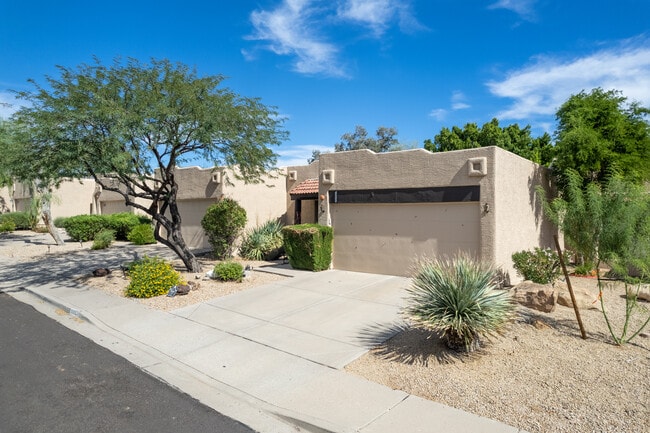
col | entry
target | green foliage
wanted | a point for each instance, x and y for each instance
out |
(359, 139)
(600, 132)
(308, 246)
(607, 223)
(7, 226)
(122, 223)
(263, 242)
(151, 276)
(59, 222)
(103, 239)
(541, 266)
(585, 269)
(20, 219)
(83, 228)
(458, 299)
(127, 120)
(142, 234)
(229, 271)
(512, 138)
(222, 223)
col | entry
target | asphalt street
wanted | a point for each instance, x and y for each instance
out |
(55, 380)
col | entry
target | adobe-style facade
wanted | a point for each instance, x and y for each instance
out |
(386, 210)
(389, 209)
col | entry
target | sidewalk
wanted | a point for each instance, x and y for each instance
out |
(271, 357)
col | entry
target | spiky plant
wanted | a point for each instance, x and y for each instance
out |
(458, 298)
(263, 242)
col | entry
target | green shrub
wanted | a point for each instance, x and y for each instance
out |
(228, 271)
(123, 223)
(541, 266)
(142, 234)
(7, 226)
(20, 219)
(458, 299)
(586, 269)
(222, 224)
(151, 276)
(103, 239)
(59, 222)
(83, 228)
(263, 242)
(308, 246)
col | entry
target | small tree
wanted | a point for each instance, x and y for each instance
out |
(222, 223)
(130, 125)
(607, 224)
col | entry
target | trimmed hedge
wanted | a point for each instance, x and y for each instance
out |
(229, 271)
(222, 223)
(20, 220)
(83, 228)
(308, 246)
(142, 235)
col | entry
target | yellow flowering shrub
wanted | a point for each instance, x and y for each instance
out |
(151, 276)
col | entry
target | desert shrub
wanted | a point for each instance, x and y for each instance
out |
(83, 228)
(228, 271)
(586, 269)
(222, 223)
(7, 226)
(458, 299)
(142, 234)
(103, 239)
(151, 276)
(308, 246)
(263, 242)
(123, 223)
(541, 266)
(20, 219)
(59, 222)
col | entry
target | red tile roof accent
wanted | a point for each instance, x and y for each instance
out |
(306, 187)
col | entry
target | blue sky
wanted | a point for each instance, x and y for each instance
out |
(328, 65)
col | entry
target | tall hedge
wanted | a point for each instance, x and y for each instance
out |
(222, 223)
(308, 246)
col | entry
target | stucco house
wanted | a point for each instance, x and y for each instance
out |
(388, 209)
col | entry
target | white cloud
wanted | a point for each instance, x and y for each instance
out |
(523, 8)
(438, 113)
(297, 28)
(540, 89)
(458, 101)
(298, 155)
(289, 31)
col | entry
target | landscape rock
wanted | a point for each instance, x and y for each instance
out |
(540, 297)
(101, 272)
(585, 299)
(643, 294)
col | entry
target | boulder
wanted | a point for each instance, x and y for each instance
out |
(585, 299)
(643, 294)
(540, 297)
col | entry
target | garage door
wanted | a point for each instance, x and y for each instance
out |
(192, 212)
(386, 238)
(112, 207)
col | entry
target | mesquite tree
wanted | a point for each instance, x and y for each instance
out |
(129, 125)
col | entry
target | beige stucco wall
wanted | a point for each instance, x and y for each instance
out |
(507, 216)
(111, 202)
(199, 188)
(519, 217)
(72, 197)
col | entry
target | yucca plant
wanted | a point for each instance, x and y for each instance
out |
(458, 298)
(263, 242)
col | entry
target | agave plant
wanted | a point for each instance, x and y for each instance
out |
(458, 298)
(263, 242)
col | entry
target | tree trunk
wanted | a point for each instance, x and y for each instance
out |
(47, 219)
(177, 244)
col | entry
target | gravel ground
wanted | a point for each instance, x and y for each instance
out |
(540, 376)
